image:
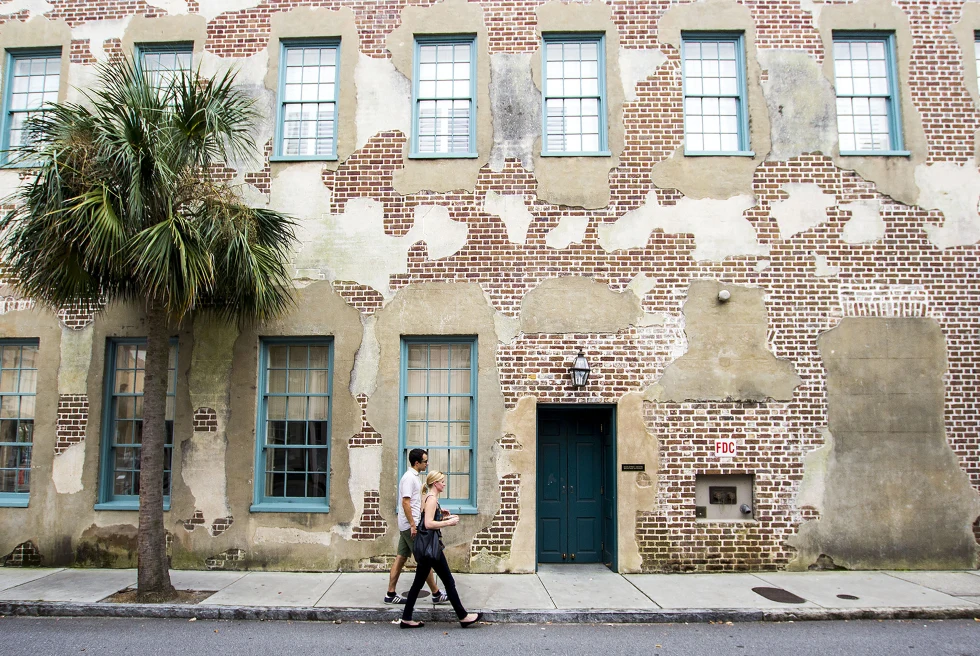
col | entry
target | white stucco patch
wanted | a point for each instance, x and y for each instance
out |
(298, 191)
(636, 66)
(9, 182)
(822, 269)
(364, 375)
(33, 7)
(384, 98)
(80, 76)
(213, 8)
(719, 227)
(806, 207)
(641, 284)
(67, 467)
(98, 32)
(954, 191)
(354, 246)
(570, 230)
(175, 7)
(865, 225)
(365, 474)
(513, 212)
(76, 356)
(202, 468)
(816, 464)
(762, 265)
(273, 535)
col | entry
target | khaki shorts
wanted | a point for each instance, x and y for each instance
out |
(406, 543)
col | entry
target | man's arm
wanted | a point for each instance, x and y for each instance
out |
(407, 507)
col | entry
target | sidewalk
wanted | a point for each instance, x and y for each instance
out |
(557, 593)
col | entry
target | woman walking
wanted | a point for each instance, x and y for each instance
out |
(434, 519)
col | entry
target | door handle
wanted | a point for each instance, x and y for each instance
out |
(573, 556)
(564, 556)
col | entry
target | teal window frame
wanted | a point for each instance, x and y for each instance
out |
(175, 47)
(17, 499)
(437, 40)
(107, 499)
(284, 46)
(458, 505)
(261, 502)
(976, 55)
(7, 119)
(599, 39)
(737, 39)
(896, 140)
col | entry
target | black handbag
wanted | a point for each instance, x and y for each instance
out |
(428, 542)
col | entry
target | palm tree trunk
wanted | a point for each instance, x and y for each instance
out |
(154, 575)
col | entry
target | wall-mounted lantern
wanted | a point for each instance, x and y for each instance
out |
(580, 370)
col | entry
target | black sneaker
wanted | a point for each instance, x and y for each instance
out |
(440, 598)
(395, 598)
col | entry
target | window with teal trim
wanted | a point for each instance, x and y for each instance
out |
(574, 95)
(444, 93)
(308, 87)
(438, 412)
(868, 119)
(18, 386)
(33, 79)
(976, 53)
(122, 437)
(163, 62)
(715, 116)
(293, 435)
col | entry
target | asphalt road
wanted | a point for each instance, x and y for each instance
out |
(87, 636)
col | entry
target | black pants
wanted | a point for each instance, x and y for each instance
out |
(441, 568)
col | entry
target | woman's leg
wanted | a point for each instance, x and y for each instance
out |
(422, 569)
(442, 569)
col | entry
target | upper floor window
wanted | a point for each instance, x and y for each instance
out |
(444, 97)
(868, 118)
(18, 385)
(574, 95)
(438, 412)
(33, 79)
(308, 87)
(976, 52)
(163, 62)
(292, 460)
(715, 113)
(122, 425)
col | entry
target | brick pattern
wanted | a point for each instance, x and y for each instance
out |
(78, 316)
(72, 421)
(496, 539)
(367, 435)
(81, 52)
(220, 525)
(371, 525)
(205, 420)
(262, 180)
(24, 554)
(196, 520)
(231, 559)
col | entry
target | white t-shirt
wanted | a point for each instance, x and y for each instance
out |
(410, 486)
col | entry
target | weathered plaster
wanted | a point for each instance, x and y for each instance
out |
(364, 377)
(885, 403)
(447, 17)
(720, 230)
(598, 309)
(67, 468)
(802, 105)
(805, 208)
(315, 22)
(212, 359)
(634, 492)
(635, 66)
(570, 230)
(717, 177)
(955, 191)
(440, 309)
(97, 32)
(202, 469)
(191, 28)
(516, 108)
(816, 464)
(365, 475)
(39, 32)
(513, 211)
(384, 99)
(76, 356)
(865, 225)
(965, 33)
(298, 190)
(728, 357)
(573, 180)
(211, 9)
(33, 7)
(893, 176)
(822, 268)
(354, 245)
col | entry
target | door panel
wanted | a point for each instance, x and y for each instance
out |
(552, 513)
(584, 501)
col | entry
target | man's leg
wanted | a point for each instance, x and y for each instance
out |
(396, 571)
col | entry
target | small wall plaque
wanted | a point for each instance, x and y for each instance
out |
(634, 467)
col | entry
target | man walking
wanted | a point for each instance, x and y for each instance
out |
(409, 512)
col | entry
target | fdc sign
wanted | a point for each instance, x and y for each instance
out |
(725, 448)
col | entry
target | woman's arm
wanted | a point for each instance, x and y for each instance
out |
(429, 510)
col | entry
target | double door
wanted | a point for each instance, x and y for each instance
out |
(574, 503)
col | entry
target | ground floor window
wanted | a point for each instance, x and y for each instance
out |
(18, 386)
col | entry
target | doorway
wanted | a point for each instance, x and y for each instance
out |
(576, 490)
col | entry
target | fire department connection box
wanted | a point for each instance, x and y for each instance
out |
(726, 498)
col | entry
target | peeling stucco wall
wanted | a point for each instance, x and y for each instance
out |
(965, 33)
(805, 208)
(545, 309)
(727, 356)
(885, 397)
(516, 109)
(635, 491)
(955, 191)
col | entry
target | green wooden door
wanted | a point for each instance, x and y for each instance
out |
(570, 487)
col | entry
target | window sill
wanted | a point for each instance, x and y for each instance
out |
(601, 153)
(301, 158)
(443, 155)
(459, 509)
(719, 153)
(13, 500)
(876, 153)
(282, 507)
(126, 505)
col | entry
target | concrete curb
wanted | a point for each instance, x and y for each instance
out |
(575, 616)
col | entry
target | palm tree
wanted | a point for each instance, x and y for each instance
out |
(124, 206)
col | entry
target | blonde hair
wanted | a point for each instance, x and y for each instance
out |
(430, 480)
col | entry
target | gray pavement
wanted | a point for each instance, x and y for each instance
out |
(556, 593)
